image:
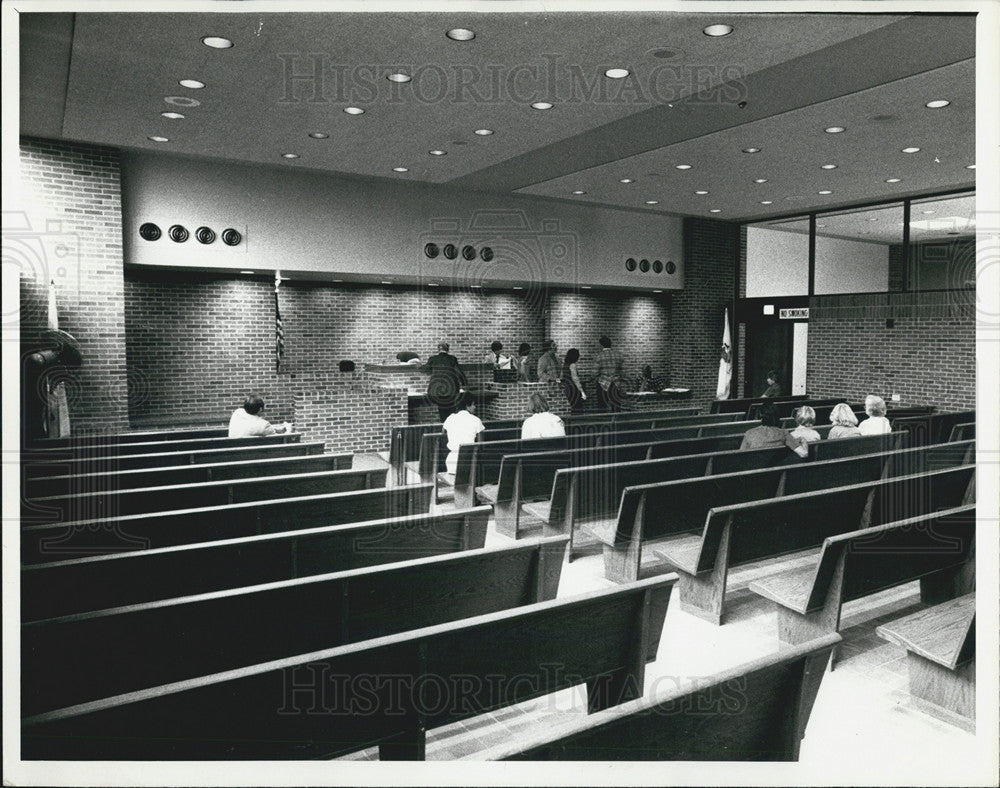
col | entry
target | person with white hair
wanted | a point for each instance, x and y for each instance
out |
(845, 423)
(876, 423)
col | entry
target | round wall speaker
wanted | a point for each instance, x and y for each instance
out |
(671, 268)
(431, 251)
(149, 232)
(486, 254)
(231, 237)
(205, 235)
(657, 267)
(644, 266)
(630, 264)
(178, 233)
(468, 253)
(450, 251)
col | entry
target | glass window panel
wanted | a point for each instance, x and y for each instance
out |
(942, 243)
(860, 251)
(778, 258)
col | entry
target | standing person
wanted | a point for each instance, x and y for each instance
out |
(522, 361)
(805, 417)
(845, 423)
(541, 423)
(571, 381)
(246, 422)
(496, 358)
(609, 369)
(462, 426)
(876, 423)
(773, 387)
(447, 380)
(548, 364)
(771, 435)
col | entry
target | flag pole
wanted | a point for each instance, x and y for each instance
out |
(279, 329)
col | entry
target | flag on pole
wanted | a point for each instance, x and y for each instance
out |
(57, 408)
(725, 363)
(279, 329)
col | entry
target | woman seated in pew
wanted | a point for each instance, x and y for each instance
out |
(247, 423)
(845, 423)
(876, 423)
(462, 426)
(542, 423)
(805, 418)
(770, 435)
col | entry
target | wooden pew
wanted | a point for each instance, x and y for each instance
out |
(744, 404)
(388, 691)
(132, 436)
(963, 432)
(934, 547)
(39, 468)
(739, 534)
(53, 541)
(932, 427)
(787, 407)
(78, 506)
(151, 447)
(77, 585)
(626, 415)
(773, 696)
(130, 648)
(48, 486)
(940, 644)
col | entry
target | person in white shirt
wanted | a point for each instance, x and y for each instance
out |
(247, 423)
(876, 423)
(541, 423)
(461, 427)
(805, 417)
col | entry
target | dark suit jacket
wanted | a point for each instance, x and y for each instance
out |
(446, 379)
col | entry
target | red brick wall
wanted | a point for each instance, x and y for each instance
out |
(67, 227)
(928, 356)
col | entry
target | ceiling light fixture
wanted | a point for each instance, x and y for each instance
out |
(834, 129)
(182, 101)
(652, 202)
(484, 132)
(683, 167)
(400, 169)
(354, 110)
(194, 84)
(626, 180)
(579, 191)
(760, 180)
(156, 138)
(399, 77)
(718, 30)
(751, 150)
(387, 281)
(828, 167)
(824, 191)
(927, 212)
(616, 73)
(172, 115)
(542, 105)
(246, 272)
(766, 202)
(970, 166)
(289, 155)
(438, 153)
(657, 291)
(892, 180)
(911, 150)
(701, 191)
(715, 210)
(460, 34)
(319, 135)
(937, 104)
(217, 42)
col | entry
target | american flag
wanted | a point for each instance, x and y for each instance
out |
(279, 333)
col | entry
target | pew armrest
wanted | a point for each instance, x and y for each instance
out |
(539, 509)
(487, 493)
(939, 633)
(789, 589)
(603, 530)
(682, 552)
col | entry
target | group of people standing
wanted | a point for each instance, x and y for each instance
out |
(609, 370)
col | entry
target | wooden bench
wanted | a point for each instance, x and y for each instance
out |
(48, 486)
(88, 656)
(152, 447)
(77, 585)
(133, 436)
(743, 533)
(87, 505)
(756, 712)
(934, 547)
(388, 691)
(404, 444)
(963, 432)
(940, 644)
(33, 468)
(743, 405)
(787, 407)
(932, 427)
(48, 542)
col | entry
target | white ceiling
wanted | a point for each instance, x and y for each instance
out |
(103, 78)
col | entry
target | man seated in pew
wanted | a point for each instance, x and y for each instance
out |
(845, 423)
(805, 418)
(246, 422)
(771, 435)
(542, 423)
(876, 423)
(462, 426)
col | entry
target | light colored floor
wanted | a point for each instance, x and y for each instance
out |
(863, 707)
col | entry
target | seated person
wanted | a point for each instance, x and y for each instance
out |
(770, 434)
(773, 387)
(462, 426)
(805, 417)
(876, 423)
(845, 423)
(541, 423)
(247, 423)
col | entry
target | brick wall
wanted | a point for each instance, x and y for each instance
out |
(697, 313)
(513, 401)
(928, 356)
(66, 227)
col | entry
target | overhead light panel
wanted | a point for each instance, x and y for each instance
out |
(460, 34)
(399, 77)
(616, 73)
(354, 110)
(542, 105)
(194, 84)
(715, 31)
(834, 129)
(217, 42)
(937, 104)
(172, 115)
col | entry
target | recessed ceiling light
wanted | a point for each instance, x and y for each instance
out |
(824, 191)
(718, 30)
(289, 155)
(387, 281)
(460, 34)
(683, 166)
(438, 152)
(156, 138)
(701, 191)
(172, 115)
(484, 132)
(246, 272)
(751, 150)
(715, 210)
(585, 287)
(937, 104)
(542, 105)
(476, 286)
(616, 73)
(433, 284)
(652, 202)
(766, 202)
(399, 77)
(760, 180)
(828, 167)
(657, 291)
(181, 101)
(518, 287)
(319, 135)
(927, 212)
(911, 150)
(821, 225)
(579, 191)
(400, 169)
(834, 129)
(354, 110)
(216, 42)
(970, 166)
(892, 180)
(194, 84)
